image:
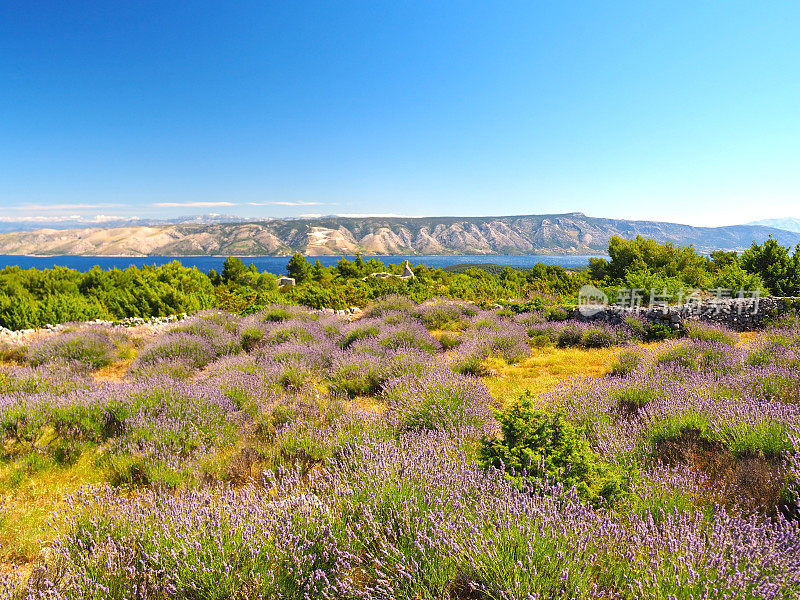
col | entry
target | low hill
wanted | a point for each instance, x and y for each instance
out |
(570, 233)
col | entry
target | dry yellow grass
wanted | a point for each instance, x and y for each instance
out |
(367, 404)
(29, 505)
(747, 337)
(545, 369)
(114, 372)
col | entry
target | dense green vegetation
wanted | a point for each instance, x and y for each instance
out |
(538, 443)
(644, 264)
(33, 298)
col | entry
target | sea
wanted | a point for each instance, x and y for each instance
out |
(277, 264)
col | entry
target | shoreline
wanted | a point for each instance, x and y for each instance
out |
(178, 256)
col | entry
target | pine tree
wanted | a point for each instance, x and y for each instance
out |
(298, 268)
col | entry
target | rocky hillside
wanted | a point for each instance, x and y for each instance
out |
(572, 233)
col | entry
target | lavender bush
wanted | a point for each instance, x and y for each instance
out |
(291, 455)
(191, 350)
(217, 328)
(407, 519)
(440, 400)
(446, 314)
(389, 304)
(93, 347)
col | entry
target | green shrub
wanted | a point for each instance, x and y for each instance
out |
(633, 398)
(449, 342)
(569, 337)
(555, 313)
(541, 340)
(537, 443)
(658, 332)
(251, 337)
(596, 337)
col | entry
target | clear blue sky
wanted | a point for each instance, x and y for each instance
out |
(681, 111)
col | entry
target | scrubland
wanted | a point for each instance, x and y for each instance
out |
(421, 451)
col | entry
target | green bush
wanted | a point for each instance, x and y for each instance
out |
(569, 337)
(633, 398)
(33, 297)
(658, 332)
(449, 342)
(538, 443)
(251, 337)
(540, 340)
(555, 313)
(596, 337)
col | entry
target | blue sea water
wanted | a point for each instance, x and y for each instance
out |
(277, 264)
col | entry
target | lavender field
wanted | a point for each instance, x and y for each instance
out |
(293, 455)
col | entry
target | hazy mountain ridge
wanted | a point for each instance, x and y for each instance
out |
(788, 224)
(16, 224)
(571, 233)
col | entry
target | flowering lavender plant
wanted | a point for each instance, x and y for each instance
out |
(93, 347)
(440, 401)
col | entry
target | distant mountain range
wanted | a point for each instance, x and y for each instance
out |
(571, 233)
(788, 224)
(34, 223)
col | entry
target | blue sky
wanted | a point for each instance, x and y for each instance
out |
(680, 111)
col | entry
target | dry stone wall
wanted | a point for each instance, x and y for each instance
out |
(738, 314)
